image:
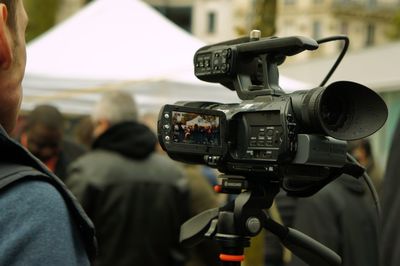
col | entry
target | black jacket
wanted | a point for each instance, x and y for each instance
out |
(136, 198)
(69, 153)
(342, 217)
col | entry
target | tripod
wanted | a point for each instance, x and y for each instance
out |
(234, 224)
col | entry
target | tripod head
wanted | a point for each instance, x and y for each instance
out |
(234, 224)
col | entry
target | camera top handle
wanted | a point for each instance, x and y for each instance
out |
(249, 65)
(270, 53)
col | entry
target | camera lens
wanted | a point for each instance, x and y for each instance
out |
(333, 112)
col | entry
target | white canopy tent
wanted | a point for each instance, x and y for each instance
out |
(117, 44)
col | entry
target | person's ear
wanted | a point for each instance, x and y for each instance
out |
(105, 124)
(100, 127)
(5, 40)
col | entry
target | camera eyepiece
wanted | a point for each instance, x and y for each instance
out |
(343, 110)
(269, 131)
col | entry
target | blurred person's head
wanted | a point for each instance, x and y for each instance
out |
(13, 22)
(361, 150)
(84, 131)
(43, 133)
(113, 108)
(150, 120)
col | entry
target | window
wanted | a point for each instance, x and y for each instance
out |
(344, 28)
(211, 22)
(370, 39)
(289, 2)
(181, 16)
(317, 29)
(371, 3)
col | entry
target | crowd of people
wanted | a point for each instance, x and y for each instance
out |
(113, 197)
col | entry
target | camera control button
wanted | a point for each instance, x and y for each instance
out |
(166, 116)
(166, 126)
(167, 138)
(253, 225)
(291, 126)
(289, 118)
(228, 53)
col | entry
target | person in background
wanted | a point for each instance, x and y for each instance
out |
(136, 197)
(201, 198)
(40, 223)
(342, 217)
(390, 234)
(43, 136)
(361, 150)
(83, 132)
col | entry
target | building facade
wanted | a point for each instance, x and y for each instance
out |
(209, 20)
(366, 22)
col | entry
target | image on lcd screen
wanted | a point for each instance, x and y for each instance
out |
(194, 128)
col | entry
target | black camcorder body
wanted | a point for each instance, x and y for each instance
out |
(300, 136)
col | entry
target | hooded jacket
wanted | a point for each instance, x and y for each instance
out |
(135, 197)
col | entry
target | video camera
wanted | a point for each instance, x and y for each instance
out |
(299, 137)
(270, 140)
